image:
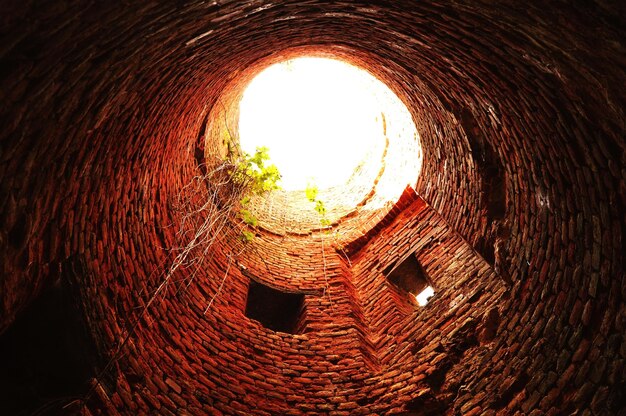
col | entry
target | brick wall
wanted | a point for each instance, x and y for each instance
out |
(519, 221)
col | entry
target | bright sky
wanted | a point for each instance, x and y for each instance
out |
(318, 117)
(425, 295)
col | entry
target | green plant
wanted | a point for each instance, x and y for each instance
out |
(254, 177)
(248, 218)
(247, 236)
(311, 192)
(253, 173)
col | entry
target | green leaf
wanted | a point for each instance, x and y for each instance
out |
(247, 236)
(250, 174)
(311, 192)
(320, 208)
(248, 218)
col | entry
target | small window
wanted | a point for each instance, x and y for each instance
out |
(274, 309)
(409, 276)
(423, 297)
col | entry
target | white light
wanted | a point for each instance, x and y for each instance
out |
(318, 117)
(425, 295)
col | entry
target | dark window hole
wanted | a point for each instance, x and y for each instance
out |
(409, 276)
(274, 309)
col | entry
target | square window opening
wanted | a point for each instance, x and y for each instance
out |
(409, 276)
(274, 309)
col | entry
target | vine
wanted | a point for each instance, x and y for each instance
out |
(212, 200)
(258, 178)
(207, 205)
(312, 192)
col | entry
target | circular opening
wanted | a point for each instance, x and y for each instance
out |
(327, 125)
(320, 118)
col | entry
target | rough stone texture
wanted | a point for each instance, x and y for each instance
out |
(520, 109)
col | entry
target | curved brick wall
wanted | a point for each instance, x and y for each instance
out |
(518, 219)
